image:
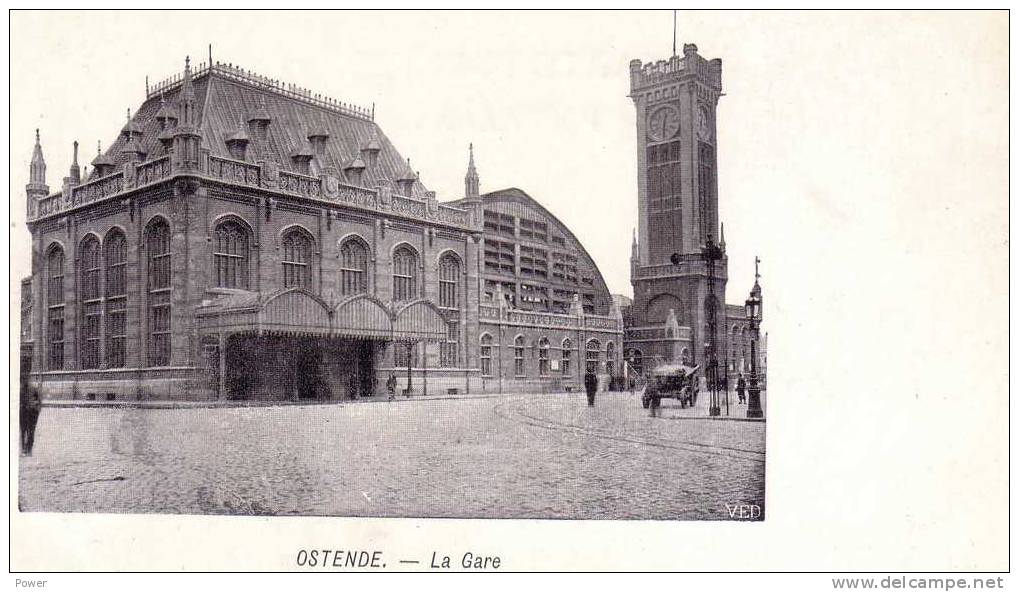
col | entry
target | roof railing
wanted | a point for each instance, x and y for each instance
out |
(277, 86)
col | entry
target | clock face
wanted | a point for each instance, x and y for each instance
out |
(703, 124)
(663, 123)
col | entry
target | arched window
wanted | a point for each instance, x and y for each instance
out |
(543, 356)
(157, 247)
(449, 281)
(486, 355)
(231, 255)
(449, 285)
(610, 358)
(684, 357)
(593, 355)
(116, 298)
(518, 355)
(91, 302)
(55, 308)
(297, 247)
(405, 273)
(567, 357)
(353, 267)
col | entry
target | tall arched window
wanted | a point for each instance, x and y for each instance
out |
(157, 247)
(449, 281)
(567, 357)
(231, 255)
(518, 356)
(91, 302)
(543, 356)
(297, 247)
(449, 286)
(610, 358)
(116, 298)
(593, 355)
(486, 355)
(405, 273)
(55, 308)
(353, 267)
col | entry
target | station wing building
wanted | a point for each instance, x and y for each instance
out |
(247, 239)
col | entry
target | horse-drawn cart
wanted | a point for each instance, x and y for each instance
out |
(672, 381)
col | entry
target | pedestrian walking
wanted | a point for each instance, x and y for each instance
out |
(591, 385)
(655, 402)
(30, 406)
(741, 386)
(391, 386)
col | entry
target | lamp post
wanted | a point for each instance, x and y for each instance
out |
(711, 253)
(754, 313)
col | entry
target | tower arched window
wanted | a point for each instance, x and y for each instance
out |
(353, 267)
(543, 361)
(297, 249)
(567, 357)
(405, 274)
(518, 356)
(593, 355)
(91, 302)
(55, 308)
(157, 248)
(115, 253)
(231, 255)
(486, 355)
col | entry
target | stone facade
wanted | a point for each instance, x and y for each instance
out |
(243, 238)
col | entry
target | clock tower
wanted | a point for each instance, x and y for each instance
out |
(678, 293)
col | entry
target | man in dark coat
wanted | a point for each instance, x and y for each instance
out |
(391, 385)
(591, 385)
(29, 415)
(741, 386)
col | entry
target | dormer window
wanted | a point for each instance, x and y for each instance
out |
(405, 182)
(302, 160)
(237, 144)
(317, 138)
(355, 171)
(370, 151)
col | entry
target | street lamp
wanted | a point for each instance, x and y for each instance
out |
(753, 314)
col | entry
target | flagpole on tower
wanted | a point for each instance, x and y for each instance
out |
(673, 33)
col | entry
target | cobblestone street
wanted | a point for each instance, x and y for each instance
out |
(513, 456)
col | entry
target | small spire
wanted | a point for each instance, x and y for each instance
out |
(722, 237)
(75, 172)
(37, 168)
(472, 183)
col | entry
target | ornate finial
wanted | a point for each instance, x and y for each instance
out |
(99, 147)
(37, 135)
(757, 270)
(76, 153)
(129, 114)
(187, 63)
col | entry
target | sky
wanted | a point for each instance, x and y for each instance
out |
(863, 156)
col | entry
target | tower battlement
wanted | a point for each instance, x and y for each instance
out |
(676, 68)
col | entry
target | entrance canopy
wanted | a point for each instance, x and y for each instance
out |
(296, 311)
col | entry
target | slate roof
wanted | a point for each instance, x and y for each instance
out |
(224, 104)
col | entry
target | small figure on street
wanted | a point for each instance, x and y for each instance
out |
(656, 403)
(29, 415)
(391, 386)
(741, 386)
(591, 385)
